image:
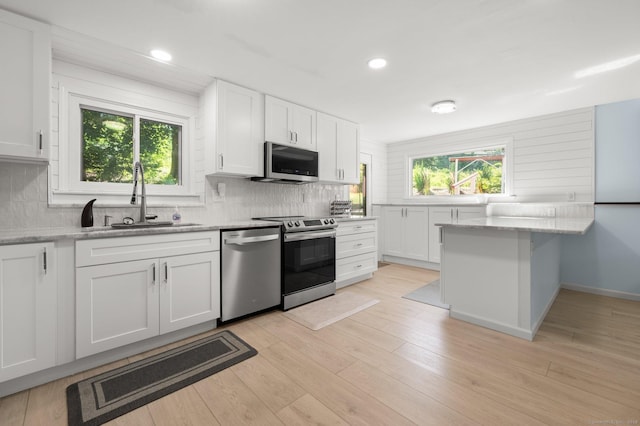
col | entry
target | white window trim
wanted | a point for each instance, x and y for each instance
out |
(507, 172)
(73, 93)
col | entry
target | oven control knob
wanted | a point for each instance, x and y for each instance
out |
(297, 223)
(289, 225)
(332, 221)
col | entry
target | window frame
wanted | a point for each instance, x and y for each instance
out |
(507, 170)
(75, 94)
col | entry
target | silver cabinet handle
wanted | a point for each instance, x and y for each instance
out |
(166, 272)
(153, 279)
(40, 142)
(249, 240)
(359, 245)
(441, 234)
(44, 261)
(221, 161)
(295, 136)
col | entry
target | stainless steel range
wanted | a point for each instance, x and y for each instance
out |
(308, 258)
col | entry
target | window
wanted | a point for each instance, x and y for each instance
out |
(478, 171)
(109, 149)
(104, 130)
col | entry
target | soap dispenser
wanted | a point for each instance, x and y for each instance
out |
(86, 219)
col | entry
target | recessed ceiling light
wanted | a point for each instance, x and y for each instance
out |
(377, 63)
(161, 55)
(443, 107)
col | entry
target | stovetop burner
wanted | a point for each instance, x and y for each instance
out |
(302, 223)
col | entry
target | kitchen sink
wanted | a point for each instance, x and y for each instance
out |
(150, 225)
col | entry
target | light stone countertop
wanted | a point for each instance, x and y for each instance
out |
(24, 236)
(554, 225)
(353, 218)
(21, 236)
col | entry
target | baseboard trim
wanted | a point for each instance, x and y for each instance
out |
(411, 262)
(493, 325)
(540, 320)
(602, 291)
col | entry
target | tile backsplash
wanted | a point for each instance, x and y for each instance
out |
(24, 201)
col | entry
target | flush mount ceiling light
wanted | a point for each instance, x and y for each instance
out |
(443, 107)
(607, 66)
(377, 63)
(161, 55)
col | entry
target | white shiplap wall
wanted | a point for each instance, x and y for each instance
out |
(553, 156)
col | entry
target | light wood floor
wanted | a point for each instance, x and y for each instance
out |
(402, 362)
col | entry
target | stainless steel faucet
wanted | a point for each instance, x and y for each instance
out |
(143, 195)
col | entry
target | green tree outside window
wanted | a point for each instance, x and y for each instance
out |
(108, 148)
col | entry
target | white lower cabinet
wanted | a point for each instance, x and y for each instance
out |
(122, 302)
(406, 232)
(28, 309)
(447, 214)
(356, 251)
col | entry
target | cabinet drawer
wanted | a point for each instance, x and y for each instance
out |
(121, 249)
(351, 245)
(356, 265)
(356, 227)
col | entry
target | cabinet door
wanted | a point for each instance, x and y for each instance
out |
(470, 212)
(304, 127)
(27, 309)
(240, 131)
(348, 152)
(327, 141)
(277, 126)
(24, 88)
(190, 290)
(116, 304)
(437, 215)
(416, 233)
(393, 231)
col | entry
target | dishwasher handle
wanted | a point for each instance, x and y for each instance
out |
(240, 241)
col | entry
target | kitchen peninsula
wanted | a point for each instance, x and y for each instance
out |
(503, 273)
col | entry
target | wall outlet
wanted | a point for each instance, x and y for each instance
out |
(571, 196)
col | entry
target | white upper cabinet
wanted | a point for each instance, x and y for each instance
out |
(348, 151)
(25, 46)
(338, 150)
(234, 129)
(289, 124)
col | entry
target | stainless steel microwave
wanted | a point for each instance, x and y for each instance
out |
(288, 164)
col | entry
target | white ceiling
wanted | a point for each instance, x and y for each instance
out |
(498, 59)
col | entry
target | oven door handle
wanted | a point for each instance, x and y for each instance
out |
(309, 235)
(249, 240)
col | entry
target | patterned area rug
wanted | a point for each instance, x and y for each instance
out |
(109, 395)
(323, 312)
(429, 294)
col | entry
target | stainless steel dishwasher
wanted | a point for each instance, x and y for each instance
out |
(250, 271)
